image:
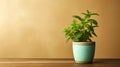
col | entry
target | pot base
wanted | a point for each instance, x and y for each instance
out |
(82, 62)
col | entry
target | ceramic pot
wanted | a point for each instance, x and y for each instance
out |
(83, 52)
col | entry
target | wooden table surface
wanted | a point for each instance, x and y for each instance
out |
(11, 62)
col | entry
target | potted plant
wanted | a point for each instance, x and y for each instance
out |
(81, 30)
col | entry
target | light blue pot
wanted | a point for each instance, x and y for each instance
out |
(83, 52)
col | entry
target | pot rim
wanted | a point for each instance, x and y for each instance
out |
(83, 43)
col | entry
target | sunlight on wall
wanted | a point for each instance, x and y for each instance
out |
(34, 28)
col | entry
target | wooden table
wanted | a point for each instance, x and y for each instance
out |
(36, 62)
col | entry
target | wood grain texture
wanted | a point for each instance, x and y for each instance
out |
(34, 62)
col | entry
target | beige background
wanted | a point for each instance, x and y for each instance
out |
(34, 28)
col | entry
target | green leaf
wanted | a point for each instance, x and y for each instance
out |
(89, 39)
(87, 15)
(93, 21)
(95, 26)
(88, 11)
(74, 23)
(84, 14)
(94, 33)
(90, 34)
(68, 38)
(95, 14)
(78, 17)
(90, 28)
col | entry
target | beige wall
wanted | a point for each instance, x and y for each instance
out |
(34, 28)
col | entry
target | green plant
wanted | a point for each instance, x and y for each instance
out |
(81, 29)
